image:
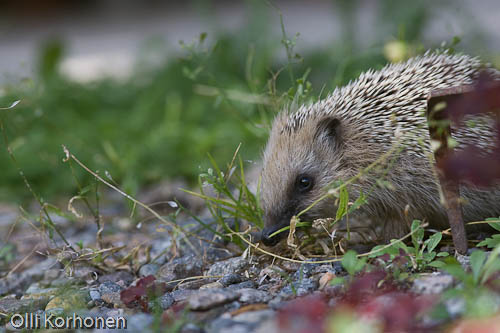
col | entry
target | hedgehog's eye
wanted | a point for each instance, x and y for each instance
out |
(304, 183)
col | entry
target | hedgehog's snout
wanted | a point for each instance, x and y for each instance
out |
(266, 235)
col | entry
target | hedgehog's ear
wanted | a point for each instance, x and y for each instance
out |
(328, 129)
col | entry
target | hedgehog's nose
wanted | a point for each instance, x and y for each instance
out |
(266, 236)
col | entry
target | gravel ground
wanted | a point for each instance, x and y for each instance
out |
(199, 288)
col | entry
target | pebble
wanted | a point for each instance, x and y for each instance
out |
(241, 285)
(334, 268)
(11, 305)
(181, 268)
(181, 294)
(109, 287)
(231, 278)
(166, 301)
(95, 295)
(112, 298)
(16, 283)
(243, 323)
(148, 269)
(209, 298)
(213, 285)
(126, 277)
(255, 316)
(305, 270)
(302, 287)
(277, 303)
(434, 283)
(191, 328)
(251, 296)
(110, 292)
(140, 322)
(50, 275)
(235, 265)
(36, 291)
(233, 306)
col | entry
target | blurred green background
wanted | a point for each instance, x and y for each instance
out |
(181, 101)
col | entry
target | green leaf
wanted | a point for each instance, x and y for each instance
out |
(489, 269)
(477, 259)
(361, 200)
(429, 256)
(495, 224)
(343, 201)
(351, 263)
(491, 242)
(443, 254)
(377, 251)
(492, 264)
(455, 269)
(433, 241)
(337, 280)
(417, 233)
(437, 264)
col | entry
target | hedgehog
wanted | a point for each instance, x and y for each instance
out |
(335, 138)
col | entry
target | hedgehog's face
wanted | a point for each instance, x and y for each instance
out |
(298, 165)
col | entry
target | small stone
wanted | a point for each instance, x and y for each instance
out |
(327, 268)
(124, 276)
(255, 317)
(95, 295)
(109, 287)
(35, 291)
(11, 305)
(112, 298)
(229, 279)
(139, 322)
(235, 265)
(230, 307)
(303, 287)
(305, 270)
(277, 303)
(464, 260)
(244, 284)
(148, 269)
(245, 323)
(181, 268)
(182, 295)
(191, 328)
(226, 325)
(166, 301)
(50, 275)
(434, 283)
(207, 299)
(251, 296)
(36, 272)
(213, 285)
